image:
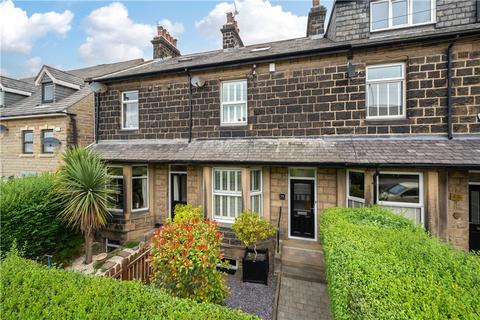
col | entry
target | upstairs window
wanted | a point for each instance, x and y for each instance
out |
(130, 110)
(47, 147)
(391, 14)
(385, 91)
(47, 92)
(27, 137)
(234, 102)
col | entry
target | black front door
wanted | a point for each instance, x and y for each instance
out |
(178, 190)
(474, 242)
(302, 208)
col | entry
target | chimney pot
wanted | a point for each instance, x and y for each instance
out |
(229, 17)
(164, 45)
(315, 3)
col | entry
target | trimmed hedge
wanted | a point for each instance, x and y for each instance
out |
(29, 217)
(381, 266)
(32, 291)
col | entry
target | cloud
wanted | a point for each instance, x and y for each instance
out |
(18, 31)
(32, 66)
(254, 15)
(113, 36)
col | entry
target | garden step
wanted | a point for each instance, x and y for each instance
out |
(306, 253)
(305, 272)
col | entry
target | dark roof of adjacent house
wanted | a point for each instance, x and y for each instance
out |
(271, 51)
(336, 152)
(32, 105)
(17, 85)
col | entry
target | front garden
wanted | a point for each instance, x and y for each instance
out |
(381, 266)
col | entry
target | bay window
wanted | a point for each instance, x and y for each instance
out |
(116, 176)
(256, 200)
(139, 188)
(233, 108)
(130, 110)
(385, 86)
(355, 189)
(227, 194)
(391, 14)
(402, 193)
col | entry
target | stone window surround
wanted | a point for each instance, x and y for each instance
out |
(409, 24)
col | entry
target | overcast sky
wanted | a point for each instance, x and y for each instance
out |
(73, 34)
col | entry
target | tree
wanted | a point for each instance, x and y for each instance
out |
(250, 228)
(84, 191)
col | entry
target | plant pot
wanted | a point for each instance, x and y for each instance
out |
(256, 271)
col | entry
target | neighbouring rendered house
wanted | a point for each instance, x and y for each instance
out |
(380, 105)
(41, 116)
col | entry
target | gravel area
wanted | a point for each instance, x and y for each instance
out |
(252, 298)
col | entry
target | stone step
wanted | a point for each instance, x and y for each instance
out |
(308, 254)
(303, 272)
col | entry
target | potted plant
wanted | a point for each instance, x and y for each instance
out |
(250, 228)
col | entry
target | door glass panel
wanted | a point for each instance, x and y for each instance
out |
(183, 191)
(176, 188)
(302, 196)
(475, 207)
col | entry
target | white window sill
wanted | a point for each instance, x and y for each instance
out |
(26, 155)
(129, 129)
(236, 124)
(46, 155)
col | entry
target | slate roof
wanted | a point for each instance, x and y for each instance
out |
(16, 84)
(285, 48)
(32, 105)
(336, 152)
(64, 76)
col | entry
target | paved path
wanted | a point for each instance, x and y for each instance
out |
(303, 300)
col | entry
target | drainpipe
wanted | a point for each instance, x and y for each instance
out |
(375, 180)
(190, 120)
(449, 90)
(73, 120)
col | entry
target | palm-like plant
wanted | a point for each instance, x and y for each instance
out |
(84, 190)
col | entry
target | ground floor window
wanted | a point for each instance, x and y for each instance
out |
(402, 193)
(116, 176)
(355, 189)
(256, 200)
(139, 188)
(227, 194)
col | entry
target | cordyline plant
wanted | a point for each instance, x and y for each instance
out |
(83, 188)
(250, 228)
(185, 255)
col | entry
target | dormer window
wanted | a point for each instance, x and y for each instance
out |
(392, 14)
(47, 92)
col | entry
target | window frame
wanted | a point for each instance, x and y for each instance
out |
(409, 24)
(403, 81)
(45, 84)
(147, 196)
(420, 205)
(42, 136)
(222, 104)
(2, 98)
(226, 219)
(256, 192)
(122, 111)
(116, 210)
(348, 196)
(24, 143)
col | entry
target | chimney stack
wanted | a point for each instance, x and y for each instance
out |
(164, 45)
(230, 32)
(316, 19)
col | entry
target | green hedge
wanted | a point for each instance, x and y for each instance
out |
(29, 216)
(32, 291)
(380, 266)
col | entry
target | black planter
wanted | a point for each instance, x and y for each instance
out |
(255, 271)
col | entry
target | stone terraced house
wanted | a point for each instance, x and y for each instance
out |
(378, 105)
(41, 116)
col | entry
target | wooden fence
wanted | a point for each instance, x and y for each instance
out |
(134, 267)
